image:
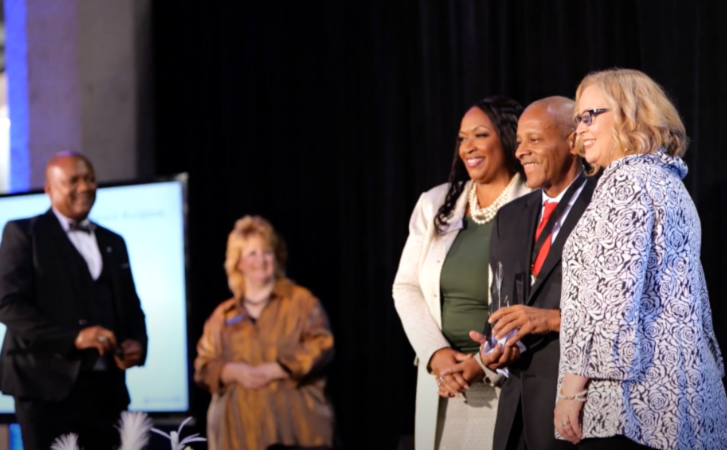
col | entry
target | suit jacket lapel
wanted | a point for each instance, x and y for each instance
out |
(556, 250)
(533, 213)
(110, 264)
(526, 236)
(72, 261)
(64, 245)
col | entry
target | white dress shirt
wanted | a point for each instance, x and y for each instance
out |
(85, 243)
(561, 219)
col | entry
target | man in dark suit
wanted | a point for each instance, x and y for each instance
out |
(526, 244)
(74, 321)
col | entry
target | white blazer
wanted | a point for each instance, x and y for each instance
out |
(416, 295)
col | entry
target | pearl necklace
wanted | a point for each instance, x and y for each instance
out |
(483, 215)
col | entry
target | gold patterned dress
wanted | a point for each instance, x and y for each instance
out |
(292, 330)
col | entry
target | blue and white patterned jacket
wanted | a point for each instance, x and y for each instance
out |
(636, 318)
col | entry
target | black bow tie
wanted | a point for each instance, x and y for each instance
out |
(80, 226)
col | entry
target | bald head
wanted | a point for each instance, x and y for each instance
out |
(546, 145)
(560, 111)
(60, 160)
(70, 183)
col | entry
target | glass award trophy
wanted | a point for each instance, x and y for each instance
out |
(498, 301)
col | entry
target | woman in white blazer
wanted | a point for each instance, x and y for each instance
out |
(441, 289)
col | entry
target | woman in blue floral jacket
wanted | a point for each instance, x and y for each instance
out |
(640, 366)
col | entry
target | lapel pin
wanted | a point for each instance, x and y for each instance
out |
(108, 249)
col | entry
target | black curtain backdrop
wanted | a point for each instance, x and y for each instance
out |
(330, 118)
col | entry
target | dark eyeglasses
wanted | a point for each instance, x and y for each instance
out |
(588, 115)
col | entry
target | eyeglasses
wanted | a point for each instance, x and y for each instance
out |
(588, 115)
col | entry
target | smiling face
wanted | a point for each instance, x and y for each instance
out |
(597, 138)
(545, 150)
(71, 185)
(257, 260)
(479, 147)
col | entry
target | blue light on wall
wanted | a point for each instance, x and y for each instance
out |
(16, 63)
(16, 440)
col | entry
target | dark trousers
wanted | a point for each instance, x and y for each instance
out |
(517, 441)
(609, 443)
(91, 410)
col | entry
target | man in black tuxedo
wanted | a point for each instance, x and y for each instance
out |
(74, 321)
(526, 244)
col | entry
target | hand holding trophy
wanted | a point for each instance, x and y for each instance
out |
(492, 342)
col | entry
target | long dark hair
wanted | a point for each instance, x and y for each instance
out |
(504, 113)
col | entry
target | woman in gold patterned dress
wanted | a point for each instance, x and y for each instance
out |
(262, 352)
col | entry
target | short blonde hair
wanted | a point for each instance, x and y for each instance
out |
(246, 228)
(645, 119)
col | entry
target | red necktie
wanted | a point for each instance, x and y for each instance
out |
(543, 253)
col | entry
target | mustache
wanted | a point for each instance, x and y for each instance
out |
(86, 196)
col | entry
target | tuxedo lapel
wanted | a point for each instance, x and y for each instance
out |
(65, 247)
(110, 266)
(69, 259)
(556, 250)
(108, 257)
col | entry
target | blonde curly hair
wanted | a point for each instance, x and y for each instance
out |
(246, 228)
(645, 119)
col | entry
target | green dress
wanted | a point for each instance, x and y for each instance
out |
(464, 283)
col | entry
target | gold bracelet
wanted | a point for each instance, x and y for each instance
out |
(579, 397)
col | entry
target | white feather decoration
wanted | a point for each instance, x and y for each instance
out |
(174, 436)
(66, 442)
(134, 430)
